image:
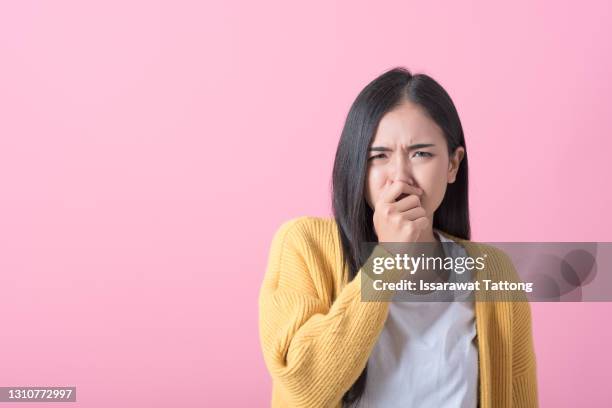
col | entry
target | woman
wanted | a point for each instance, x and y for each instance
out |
(400, 175)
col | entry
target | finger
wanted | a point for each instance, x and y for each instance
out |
(395, 190)
(421, 222)
(406, 203)
(413, 213)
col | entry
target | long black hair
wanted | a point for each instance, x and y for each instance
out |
(353, 215)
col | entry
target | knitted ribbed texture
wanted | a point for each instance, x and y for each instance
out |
(316, 333)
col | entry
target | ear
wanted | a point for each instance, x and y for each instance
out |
(454, 162)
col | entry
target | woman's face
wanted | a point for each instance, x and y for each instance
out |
(409, 147)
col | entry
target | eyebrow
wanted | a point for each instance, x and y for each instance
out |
(412, 147)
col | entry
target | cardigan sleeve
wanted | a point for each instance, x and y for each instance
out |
(524, 376)
(314, 351)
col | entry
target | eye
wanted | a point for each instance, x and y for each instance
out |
(422, 154)
(377, 156)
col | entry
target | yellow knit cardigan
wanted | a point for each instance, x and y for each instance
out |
(316, 334)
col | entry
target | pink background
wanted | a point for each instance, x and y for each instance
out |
(149, 150)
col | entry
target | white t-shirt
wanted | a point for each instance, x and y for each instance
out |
(426, 355)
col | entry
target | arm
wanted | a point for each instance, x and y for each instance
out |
(313, 351)
(524, 379)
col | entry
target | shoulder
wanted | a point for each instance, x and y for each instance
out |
(308, 228)
(498, 262)
(308, 236)
(310, 246)
(480, 248)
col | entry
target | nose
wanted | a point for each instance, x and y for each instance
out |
(402, 169)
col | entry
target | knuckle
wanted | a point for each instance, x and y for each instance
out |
(386, 210)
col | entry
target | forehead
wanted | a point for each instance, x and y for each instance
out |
(408, 124)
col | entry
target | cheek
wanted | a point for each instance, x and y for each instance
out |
(375, 182)
(434, 183)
